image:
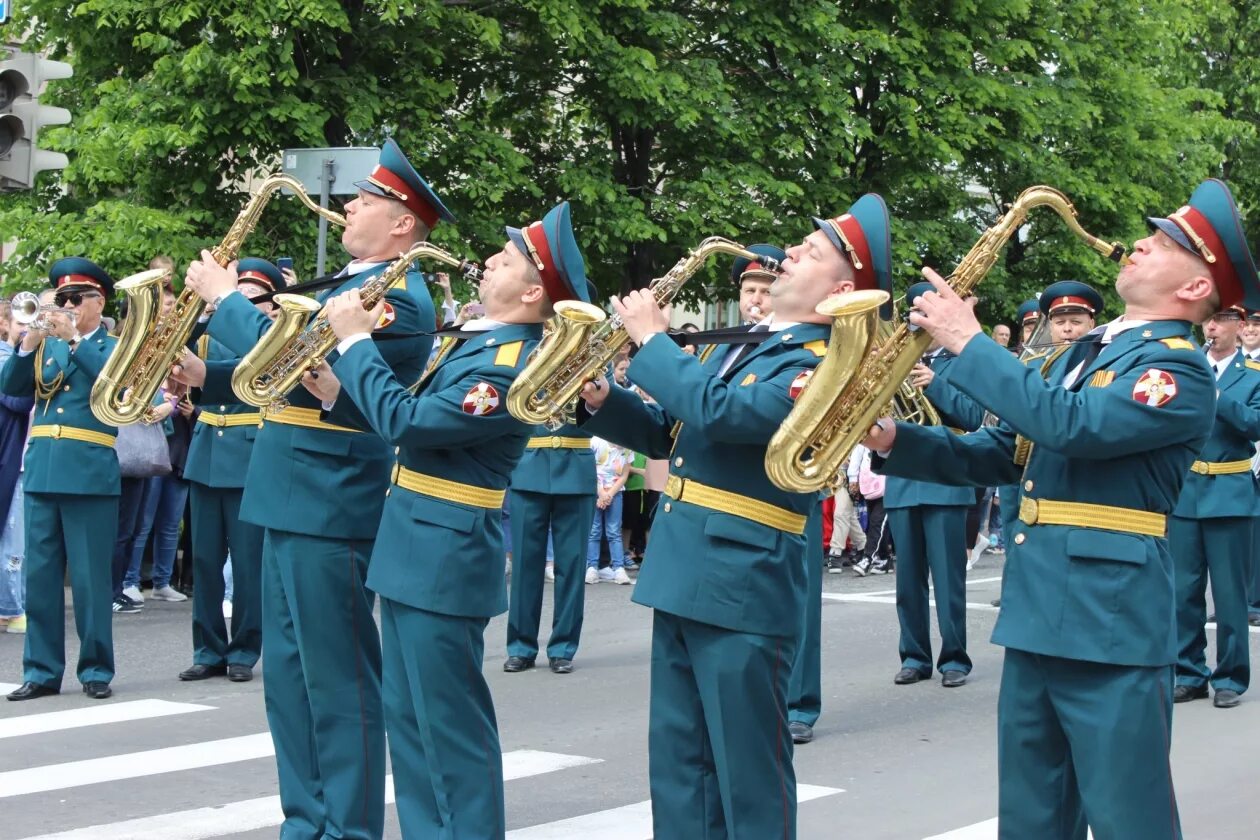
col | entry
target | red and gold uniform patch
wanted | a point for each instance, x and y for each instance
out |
(482, 398)
(798, 384)
(387, 316)
(1155, 388)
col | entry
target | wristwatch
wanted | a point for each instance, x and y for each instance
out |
(219, 300)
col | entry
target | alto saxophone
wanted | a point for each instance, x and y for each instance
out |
(852, 386)
(150, 342)
(584, 340)
(290, 347)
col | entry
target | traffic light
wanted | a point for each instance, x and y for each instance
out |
(22, 77)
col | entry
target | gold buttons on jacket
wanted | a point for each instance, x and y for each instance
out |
(1028, 486)
(1019, 539)
(678, 462)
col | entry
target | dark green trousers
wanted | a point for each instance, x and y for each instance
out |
(932, 538)
(569, 519)
(75, 532)
(805, 685)
(1218, 549)
(1253, 585)
(719, 751)
(217, 529)
(1084, 742)
(322, 660)
(443, 737)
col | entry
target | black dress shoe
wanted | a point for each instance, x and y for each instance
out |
(1211, 618)
(1254, 619)
(515, 664)
(1186, 693)
(202, 672)
(561, 666)
(802, 733)
(997, 602)
(97, 690)
(32, 690)
(1226, 698)
(240, 673)
(953, 679)
(906, 676)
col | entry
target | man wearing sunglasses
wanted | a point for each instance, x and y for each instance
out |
(71, 483)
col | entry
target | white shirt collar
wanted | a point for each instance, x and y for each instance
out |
(776, 326)
(481, 325)
(1118, 326)
(359, 266)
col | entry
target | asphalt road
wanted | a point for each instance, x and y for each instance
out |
(183, 761)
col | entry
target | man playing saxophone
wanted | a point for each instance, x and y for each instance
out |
(71, 483)
(725, 575)
(317, 488)
(1088, 619)
(438, 560)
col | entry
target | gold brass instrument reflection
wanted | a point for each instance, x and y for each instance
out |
(151, 342)
(819, 433)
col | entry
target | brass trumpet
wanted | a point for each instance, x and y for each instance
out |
(27, 310)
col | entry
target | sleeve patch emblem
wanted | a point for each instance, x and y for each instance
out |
(1155, 388)
(749, 379)
(481, 399)
(798, 384)
(387, 316)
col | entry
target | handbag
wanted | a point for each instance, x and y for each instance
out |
(142, 451)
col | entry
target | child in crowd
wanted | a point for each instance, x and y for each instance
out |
(611, 471)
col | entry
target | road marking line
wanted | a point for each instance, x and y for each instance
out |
(629, 822)
(264, 812)
(134, 765)
(5, 688)
(1211, 625)
(987, 830)
(890, 599)
(93, 715)
(969, 583)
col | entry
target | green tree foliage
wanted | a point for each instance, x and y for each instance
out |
(663, 121)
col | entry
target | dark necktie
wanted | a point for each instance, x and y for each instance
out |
(744, 349)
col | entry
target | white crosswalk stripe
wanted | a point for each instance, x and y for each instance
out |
(264, 812)
(95, 715)
(5, 688)
(629, 822)
(987, 830)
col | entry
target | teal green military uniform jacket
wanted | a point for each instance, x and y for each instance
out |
(1124, 434)
(958, 411)
(66, 466)
(1237, 425)
(557, 472)
(219, 456)
(315, 481)
(704, 565)
(433, 553)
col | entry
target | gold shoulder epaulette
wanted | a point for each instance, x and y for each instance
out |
(1050, 358)
(707, 352)
(509, 354)
(1176, 344)
(818, 348)
(1253, 364)
(203, 347)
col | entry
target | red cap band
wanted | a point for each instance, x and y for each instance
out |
(1031, 315)
(258, 276)
(1071, 300)
(80, 280)
(398, 188)
(536, 239)
(1209, 246)
(859, 252)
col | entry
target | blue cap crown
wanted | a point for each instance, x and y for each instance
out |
(394, 177)
(1070, 296)
(80, 273)
(260, 271)
(1027, 309)
(553, 249)
(863, 236)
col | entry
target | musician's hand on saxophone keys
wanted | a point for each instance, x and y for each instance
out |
(882, 435)
(189, 370)
(322, 383)
(595, 393)
(640, 315)
(950, 319)
(347, 317)
(921, 375)
(209, 279)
